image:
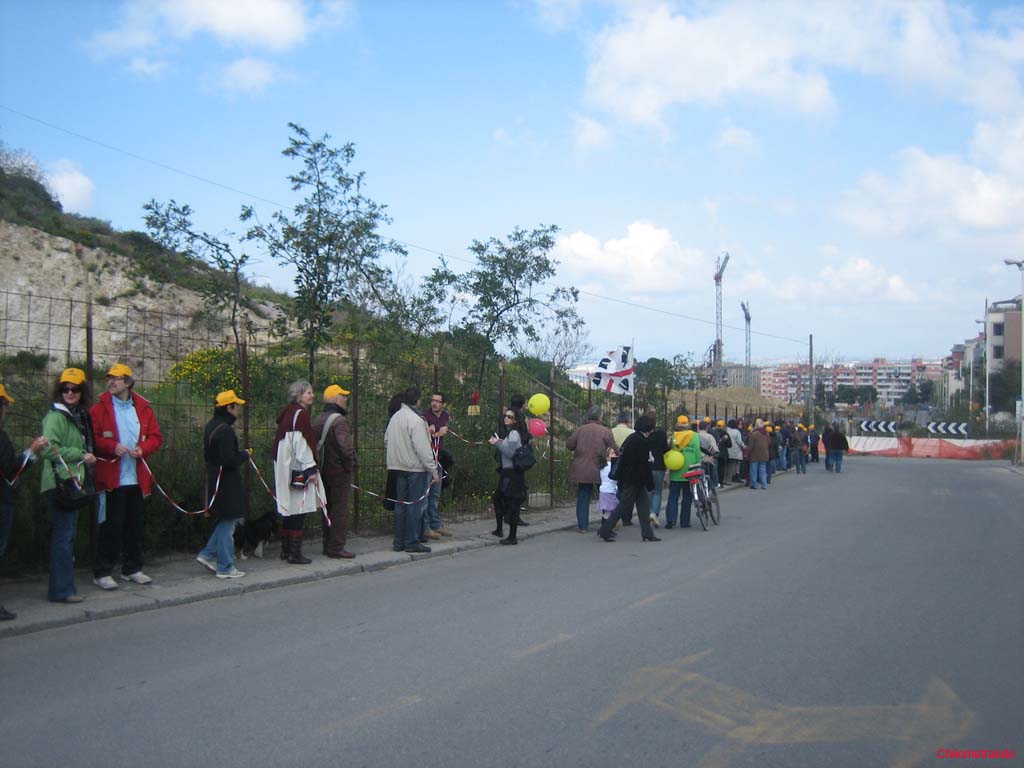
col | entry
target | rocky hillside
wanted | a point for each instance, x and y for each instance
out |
(49, 282)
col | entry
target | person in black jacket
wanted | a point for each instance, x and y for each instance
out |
(635, 479)
(10, 463)
(225, 494)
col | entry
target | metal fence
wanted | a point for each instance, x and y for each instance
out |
(181, 361)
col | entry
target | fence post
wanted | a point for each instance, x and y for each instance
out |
(89, 365)
(243, 364)
(354, 411)
(551, 440)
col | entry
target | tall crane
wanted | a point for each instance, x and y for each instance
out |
(746, 317)
(720, 264)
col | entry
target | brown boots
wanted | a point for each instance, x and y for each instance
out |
(291, 548)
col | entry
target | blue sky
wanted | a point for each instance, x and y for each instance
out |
(863, 163)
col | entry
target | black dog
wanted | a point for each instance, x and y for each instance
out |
(251, 535)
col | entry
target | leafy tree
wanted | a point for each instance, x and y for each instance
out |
(911, 396)
(1005, 387)
(171, 226)
(503, 295)
(332, 239)
(926, 391)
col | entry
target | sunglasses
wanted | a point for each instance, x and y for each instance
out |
(510, 415)
(71, 390)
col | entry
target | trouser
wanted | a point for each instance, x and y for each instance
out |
(583, 491)
(506, 509)
(221, 545)
(836, 459)
(6, 519)
(62, 550)
(814, 451)
(339, 490)
(679, 490)
(758, 474)
(410, 487)
(120, 533)
(798, 460)
(632, 496)
(723, 476)
(732, 470)
(655, 495)
(432, 513)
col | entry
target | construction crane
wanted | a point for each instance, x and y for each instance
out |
(720, 264)
(746, 317)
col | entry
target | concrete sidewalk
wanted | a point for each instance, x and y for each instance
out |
(179, 579)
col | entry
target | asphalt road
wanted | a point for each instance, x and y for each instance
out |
(866, 619)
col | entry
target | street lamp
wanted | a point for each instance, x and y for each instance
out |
(984, 327)
(1019, 264)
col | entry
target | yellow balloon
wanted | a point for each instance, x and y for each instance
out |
(539, 404)
(673, 460)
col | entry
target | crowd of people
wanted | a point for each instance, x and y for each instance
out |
(632, 466)
(94, 456)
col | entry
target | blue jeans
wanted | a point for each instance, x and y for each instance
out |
(221, 545)
(836, 460)
(432, 516)
(6, 518)
(583, 491)
(655, 495)
(770, 470)
(677, 489)
(784, 454)
(796, 460)
(759, 474)
(408, 487)
(62, 550)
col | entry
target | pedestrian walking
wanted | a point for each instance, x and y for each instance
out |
(127, 432)
(296, 476)
(608, 493)
(67, 476)
(825, 435)
(798, 449)
(338, 465)
(225, 496)
(635, 479)
(659, 444)
(759, 447)
(511, 491)
(813, 439)
(680, 492)
(736, 448)
(589, 444)
(724, 443)
(10, 462)
(837, 445)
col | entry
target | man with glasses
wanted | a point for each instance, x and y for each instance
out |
(126, 431)
(437, 419)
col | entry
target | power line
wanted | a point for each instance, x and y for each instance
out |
(423, 248)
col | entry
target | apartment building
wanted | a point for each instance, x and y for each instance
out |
(1002, 334)
(891, 379)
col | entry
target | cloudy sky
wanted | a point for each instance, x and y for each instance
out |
(862, 163)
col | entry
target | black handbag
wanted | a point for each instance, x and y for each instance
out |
(69, 494)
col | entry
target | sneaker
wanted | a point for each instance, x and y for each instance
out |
(234, 573)
(138, 577)
(211, 564)
(417, 548)
(655, 522)
(444, 532)
(105, 582)
(6, 615)
(432, 534)
(72, 599)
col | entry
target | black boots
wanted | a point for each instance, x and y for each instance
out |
(295, 548)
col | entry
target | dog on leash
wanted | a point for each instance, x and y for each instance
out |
(252, 534)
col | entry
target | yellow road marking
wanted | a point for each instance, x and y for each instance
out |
(560, 638)
(648, 600)
(743, 719)
(371, 714)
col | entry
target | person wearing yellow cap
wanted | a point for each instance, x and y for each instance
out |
(10, 462)
(723, 442)
(798, 449)
(225, 495)
(67, 455)
(338, 464)
(126, 432)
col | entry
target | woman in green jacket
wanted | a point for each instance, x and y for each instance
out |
(68, 430)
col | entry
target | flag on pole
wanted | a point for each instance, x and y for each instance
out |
(615, 372)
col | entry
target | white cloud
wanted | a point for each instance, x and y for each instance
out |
(654, 58)
(73, 188)
(247, 75)
(558, 14)
(939, 193)
(144, 66)
(857, 281)
(646, 261)
(732, 137)
(588, 134)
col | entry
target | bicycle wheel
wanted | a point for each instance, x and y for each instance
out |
(701, 502)
(714, 510)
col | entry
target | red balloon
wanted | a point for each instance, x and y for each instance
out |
(538, 427)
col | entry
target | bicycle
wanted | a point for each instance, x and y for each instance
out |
(705, 498)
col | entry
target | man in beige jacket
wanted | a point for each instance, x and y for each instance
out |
(407, 444)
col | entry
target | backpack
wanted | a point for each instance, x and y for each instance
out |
(725, 442)
(524, 458)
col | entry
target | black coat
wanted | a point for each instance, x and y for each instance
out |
(9, 464)
(220, 449)
(634, 466)
(658, 442)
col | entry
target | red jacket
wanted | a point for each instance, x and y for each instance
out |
(108, 473)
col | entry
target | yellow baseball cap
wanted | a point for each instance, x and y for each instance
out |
(4, 395)
(227, 397)
(333, 391)
(707, 419)
(74, 376)
(812, 426)
(118, 370)
(682, 420)
(720, 423)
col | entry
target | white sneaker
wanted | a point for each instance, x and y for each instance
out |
(138, 577)
(211, 564)
(234, 573)
(105, 582)
(655, 522)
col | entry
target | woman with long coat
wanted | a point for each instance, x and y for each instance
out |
(225, 495)
(68, 453)
(296, 479)
(511, 490)
(589, 444)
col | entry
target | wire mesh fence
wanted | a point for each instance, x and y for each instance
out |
(180, 362)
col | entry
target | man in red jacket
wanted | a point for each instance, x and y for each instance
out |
(126, 430)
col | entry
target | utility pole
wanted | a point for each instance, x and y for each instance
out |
(810, 381)
(984, 327)
(746, 317)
